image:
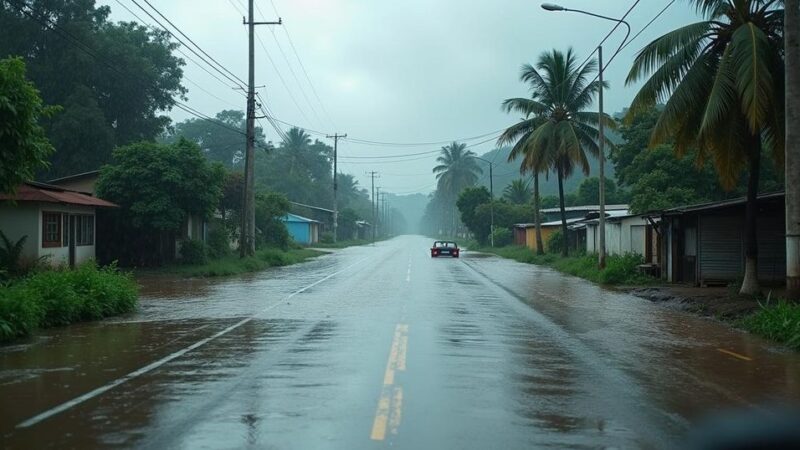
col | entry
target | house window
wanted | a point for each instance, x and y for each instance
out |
(84, 232)
(51, 229)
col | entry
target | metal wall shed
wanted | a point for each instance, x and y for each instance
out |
(704, 244)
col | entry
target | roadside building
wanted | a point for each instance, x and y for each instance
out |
(195, 227)
(303, 230)
(525, 233)
(577, 212)
(59, 224)
(704, 244)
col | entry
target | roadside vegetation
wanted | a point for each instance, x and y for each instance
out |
(778, 321)
(620, 270)
(232, 264)
(56, 297)
(343, 244)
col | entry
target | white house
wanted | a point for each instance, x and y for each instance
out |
(59, 223)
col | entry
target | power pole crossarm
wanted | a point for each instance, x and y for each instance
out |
(335, 138)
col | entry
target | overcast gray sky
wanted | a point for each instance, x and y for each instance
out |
(412, 71)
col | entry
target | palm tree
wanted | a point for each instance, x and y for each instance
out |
(295, 146)
(792, 148)
(457, 170)
(518, 192)
(723, 78)
(556, 131)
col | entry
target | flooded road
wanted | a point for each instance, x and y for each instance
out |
(375, 347)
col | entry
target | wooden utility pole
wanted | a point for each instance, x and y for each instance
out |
(247, 238)
(335, 138)
(372, 174)
(791, 29)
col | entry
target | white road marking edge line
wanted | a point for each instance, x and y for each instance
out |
(154, 365)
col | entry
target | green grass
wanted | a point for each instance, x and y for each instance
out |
(60, 297)
(233, 265)
(778, 321)
(343, 244)
(620, 269)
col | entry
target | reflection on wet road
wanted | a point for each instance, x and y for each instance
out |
(382, 346)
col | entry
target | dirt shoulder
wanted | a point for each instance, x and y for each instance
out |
(718, 302)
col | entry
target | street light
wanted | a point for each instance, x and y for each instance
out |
(600, 127)
(491, 198)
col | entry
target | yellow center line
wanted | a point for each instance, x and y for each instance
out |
(397, 410)
(734, 354)
(390, 403)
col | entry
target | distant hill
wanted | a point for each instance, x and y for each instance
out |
(505, 172)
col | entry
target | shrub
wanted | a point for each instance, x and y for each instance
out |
(623, 269)
(193, 251)
(555, 243)
(502, 237)
(326, 237)
(60, 297)
(11, 255)
(779, 322)
(218, 242)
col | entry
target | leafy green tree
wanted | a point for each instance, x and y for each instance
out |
(723, 78)
(557, 130)
(589, 192)
(347, 223)
(224, 143)
(117, 82)
(468, 201)
(24, 148)
(505, 216)
(157, 187)
(518, 192)
(270, 229)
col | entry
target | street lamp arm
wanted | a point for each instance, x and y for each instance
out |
(550, 7)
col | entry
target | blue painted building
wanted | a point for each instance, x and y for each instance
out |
(303, 230)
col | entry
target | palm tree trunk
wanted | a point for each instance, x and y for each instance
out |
(565, 249)
(750, 282)
(536, 211)
(792, 42)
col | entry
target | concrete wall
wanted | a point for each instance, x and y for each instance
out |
(300, 232)
(22, 220)
(60, 255)
(619, 239)
(530, 236)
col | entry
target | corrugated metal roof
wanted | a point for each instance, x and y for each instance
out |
(39, 192)
(295, 218)
(77, 176)
(715, 205)
(586, 208)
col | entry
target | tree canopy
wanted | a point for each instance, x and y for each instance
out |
(24, 148)
(114, 86)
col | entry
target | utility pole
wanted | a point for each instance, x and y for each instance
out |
(600, 128)
(601, 145)
(247, 239)
(335, 138)
(791, 29)
(491, 198)
(379, 220)
(372, 174)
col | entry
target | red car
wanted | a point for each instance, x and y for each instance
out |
(444, 248)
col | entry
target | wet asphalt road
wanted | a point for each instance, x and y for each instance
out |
(376, 347)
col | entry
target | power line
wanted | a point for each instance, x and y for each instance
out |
(303, 67)
(225, 69)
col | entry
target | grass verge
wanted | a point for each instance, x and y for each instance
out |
(59, 297)
(344, 244)
(620, 269)
(779, 322)
(233, 265)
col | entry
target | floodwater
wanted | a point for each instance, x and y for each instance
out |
(380, 346)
